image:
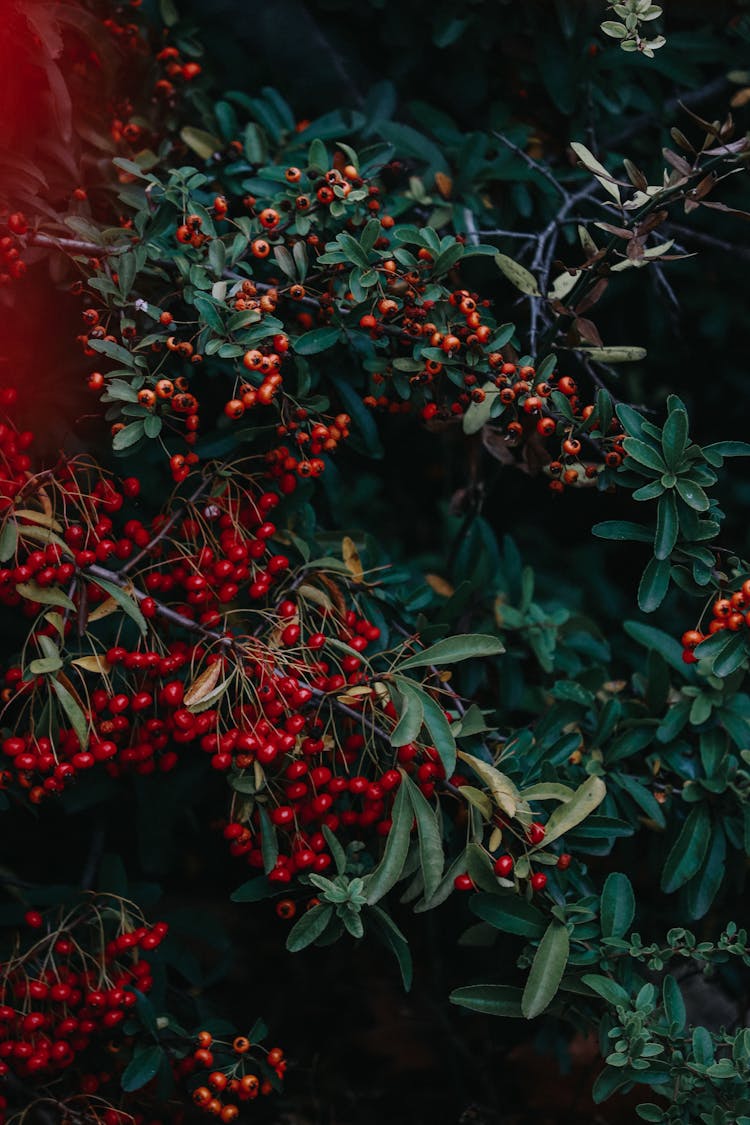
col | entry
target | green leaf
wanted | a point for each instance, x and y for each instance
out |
(644, 454)
(547, 969)
(623, 530)
(143, 1066)
(45, 595)
(509, 913)
(453, 649)
(129, 435)
(319, 340)
(716, 453)
(45, 665)
(674, 1005)
(658, 641)
(336, 850)
(253, 890)
(388, 871)
(652, 589)
(608, 989)
(693, 495)
(202, 143)
(73, 710)
(447, 258)
(8, 540)
(667, 524)
(702, 889)
(268, 842)
(126, 603)
(411, 715)
(731, 656)
(113, 351)
(391, 936)
(490, 999)
(518, 275)
(366, 425)
(674, 438)
(440, 733)
(152, 426)
(478, 413)
(586, 798)
(431, 854)
(688, 851)
(309, 927)
(617, 905)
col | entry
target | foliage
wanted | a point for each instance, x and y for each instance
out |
(269, 306)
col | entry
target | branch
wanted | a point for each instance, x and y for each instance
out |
(76, 246)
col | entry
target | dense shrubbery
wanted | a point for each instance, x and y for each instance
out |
(238, 604)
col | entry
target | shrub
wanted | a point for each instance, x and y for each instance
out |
(270, 305)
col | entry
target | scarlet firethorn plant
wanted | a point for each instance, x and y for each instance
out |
(263, 304)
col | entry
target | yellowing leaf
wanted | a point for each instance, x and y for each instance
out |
(603, 176)
(92, 663)
(205, 683)
(504, 792)
(104, 609)
(478, 799)
(203, 143)
(38, 517)
(439, 585)
(350, 555)
(318, 597)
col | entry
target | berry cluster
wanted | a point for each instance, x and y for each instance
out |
(12, 265)
(728, 611)
(233, 1073)
(70, 986)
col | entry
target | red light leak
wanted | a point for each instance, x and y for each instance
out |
(39, 319)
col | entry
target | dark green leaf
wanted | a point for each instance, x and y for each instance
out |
(652, 588)
(509, 913)
(391, 936)
(674, 1005)
(644, 454)
(623, 530)
(411, 715)
(309, 927)
(688, 851)
(490, 999)
(617, 905)
(310, 343)
(388, 871)
(674, 438)
(431, 854)
(547, 969)
(667, 524)
(142, 1068)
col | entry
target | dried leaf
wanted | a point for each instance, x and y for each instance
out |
(741, 98)
(93, 663)
(444, 184)
(350, 555)
(203, 685)
(439, 585)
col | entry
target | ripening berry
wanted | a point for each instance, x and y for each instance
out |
(538, 881)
